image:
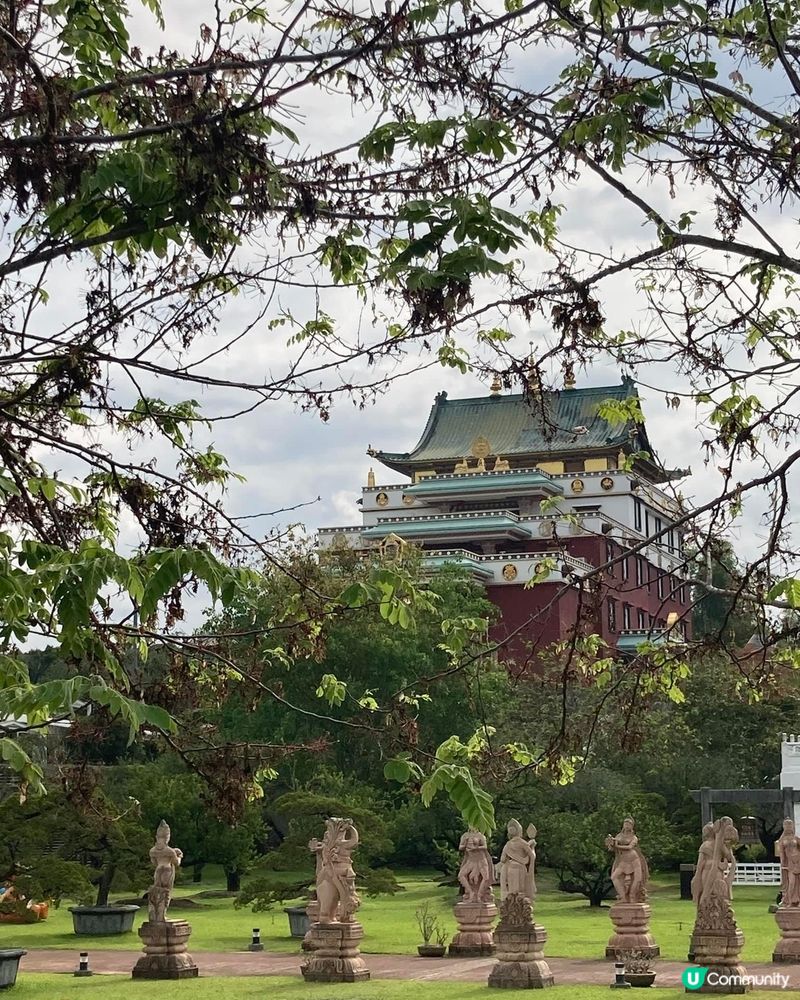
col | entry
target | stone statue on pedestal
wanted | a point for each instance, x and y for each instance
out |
(475, 911)
(787, 916)
(716, 940)
(517, 863)
(630, 914)
(165, 955)
(333, 938)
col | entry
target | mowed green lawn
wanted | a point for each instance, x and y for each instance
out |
(575, 930)
(39, 987)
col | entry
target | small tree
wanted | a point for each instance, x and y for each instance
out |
(573, 843)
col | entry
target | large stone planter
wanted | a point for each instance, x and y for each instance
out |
(299, 922)
(9, 966)
(101, 921)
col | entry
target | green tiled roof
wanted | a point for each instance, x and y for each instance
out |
(558, 423)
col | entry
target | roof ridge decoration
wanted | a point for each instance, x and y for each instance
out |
(557, 423)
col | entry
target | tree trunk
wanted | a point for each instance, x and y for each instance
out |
(596, 896)
(104, 885)
(234, 881)
(197, 871)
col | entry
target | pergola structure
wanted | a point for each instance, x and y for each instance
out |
(709, 797)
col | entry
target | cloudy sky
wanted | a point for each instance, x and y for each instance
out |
(290, 457)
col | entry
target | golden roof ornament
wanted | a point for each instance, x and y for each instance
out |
(569, 375)
(496, 386)
(371, 478)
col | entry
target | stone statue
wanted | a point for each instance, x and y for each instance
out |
(475, 911)
(789, 854)
(712, 885)
(332, 941)
(517, 864)
(704, 859)
(787, 915)
(629, 872)
(476, 871)
(716, 941)
(165, 860)
(165, 941)
(336, 880)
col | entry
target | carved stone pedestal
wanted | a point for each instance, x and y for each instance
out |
(788, 948)
(719, 952)
(312, 912)
(474, 934)
(335, 957)
(631, 931)
(165, 955)
(521, 963)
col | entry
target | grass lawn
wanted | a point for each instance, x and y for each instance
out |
(575, 930)
(37, 987)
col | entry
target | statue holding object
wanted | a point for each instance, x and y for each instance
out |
(336, 879)
(630, 914)
(165, 941)
(475, 911)
(333, 938)
(517, 863)
(716, 940)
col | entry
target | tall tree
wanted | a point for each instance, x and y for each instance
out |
(141, 188)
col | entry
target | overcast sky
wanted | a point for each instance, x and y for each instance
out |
(289, 457)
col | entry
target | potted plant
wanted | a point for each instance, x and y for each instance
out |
(9, 966)
(637, 968)
(429, 927)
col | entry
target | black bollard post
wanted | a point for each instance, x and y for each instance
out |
(83, 965)
(255, 944)
(620, 982)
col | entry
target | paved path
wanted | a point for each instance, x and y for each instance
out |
(565, 970)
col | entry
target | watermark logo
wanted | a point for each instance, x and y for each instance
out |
(694, 976)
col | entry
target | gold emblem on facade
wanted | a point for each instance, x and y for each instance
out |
(408, 500)
(607, 483)
(481, 448)
(382, 499)
(509, 571)
(576, 486)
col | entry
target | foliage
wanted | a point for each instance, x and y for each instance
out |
(573, 843)
(304, 814)
(140, 185)
(91, 841)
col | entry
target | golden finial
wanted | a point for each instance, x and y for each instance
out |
(371, 478)
(569, 375)
(496, 386)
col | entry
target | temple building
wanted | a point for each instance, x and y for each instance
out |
(539, 489)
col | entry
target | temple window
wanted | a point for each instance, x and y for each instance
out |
(574, 465)
(637, 514)
(626, 616)
(612, 615)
